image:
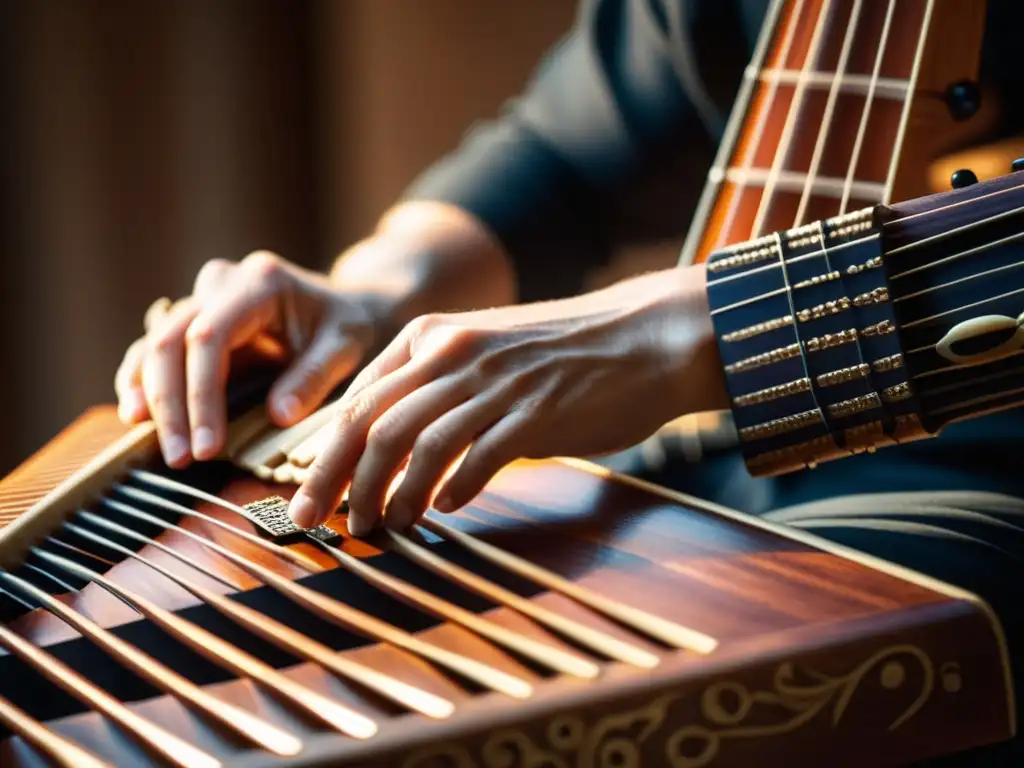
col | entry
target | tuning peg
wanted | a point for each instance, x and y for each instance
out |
(963, 99)
(963, 178)
(1017, 165)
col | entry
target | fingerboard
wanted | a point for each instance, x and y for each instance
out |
(839, 110)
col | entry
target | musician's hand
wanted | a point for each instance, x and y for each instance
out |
(423, 257)
(177, 374)
(580, 377)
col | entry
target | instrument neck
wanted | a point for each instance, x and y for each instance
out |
(821, 119)
(955, 271)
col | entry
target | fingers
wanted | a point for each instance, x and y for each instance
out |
(163, 382)
(131, 400)
(436, 449)
(332, 471)
(394, 356)
(499, 446)
(210, 339)
(390, 441)
(328, 361)
(206, 374)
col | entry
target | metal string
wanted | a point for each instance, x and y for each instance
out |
(814, 51)
(762, 118)
(869, 101)
(826, 120)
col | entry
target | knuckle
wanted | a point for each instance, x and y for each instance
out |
(430, 445)
(492, 364)
(202, 394)
(354, 412)
(166, 342)
(385, 435)
(200, 333)
(164, 400)
(466, 341)
(263, 264)
(422, 325)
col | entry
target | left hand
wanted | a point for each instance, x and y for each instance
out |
(584, 376)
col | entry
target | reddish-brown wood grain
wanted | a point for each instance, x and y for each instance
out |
(770, 599)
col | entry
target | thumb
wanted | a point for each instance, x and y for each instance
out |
(331, 357)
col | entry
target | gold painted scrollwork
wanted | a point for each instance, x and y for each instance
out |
(694, 746)
(514, 749)
(727, 710)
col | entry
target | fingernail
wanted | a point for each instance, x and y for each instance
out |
(398, 517)
(289, 407)
(357, 526)
(444, 504)
(302, 511)
(203, 443)
(175, 449)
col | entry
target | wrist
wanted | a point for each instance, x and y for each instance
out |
(690, 345)
(428, 257)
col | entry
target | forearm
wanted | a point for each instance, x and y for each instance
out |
(428, 257)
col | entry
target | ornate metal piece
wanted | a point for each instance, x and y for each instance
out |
(773, 393)
(780, 426)
(843, 375)
(270, 515)
(765, 358)
(758, 328)
(854, 405)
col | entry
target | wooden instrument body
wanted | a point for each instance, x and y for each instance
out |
(823, 653)
(824, 656)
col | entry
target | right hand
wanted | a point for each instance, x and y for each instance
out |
(177, 373)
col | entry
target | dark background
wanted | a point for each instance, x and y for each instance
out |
(140, 139)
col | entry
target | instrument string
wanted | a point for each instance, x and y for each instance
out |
(981, 399)
(173, 749)
(968, 278)
(975, 381)
(60, 582)
(351, 619)
(79, 551)
(908, 100)
(947, 234)
(869, 100)
(811, 57)
(253, 728)
(942, 211)
(662, 629)
(826, 120)
(972, 305)
(768, 103)
(951, 368)
(299, 645)
(224, 654)
(902, 249)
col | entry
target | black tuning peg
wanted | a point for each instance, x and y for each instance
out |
(1017, 165)
(963, 99)
(963, 178)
